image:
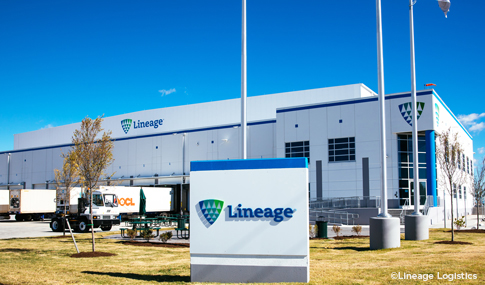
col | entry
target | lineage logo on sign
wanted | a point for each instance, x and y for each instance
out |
(209, 211)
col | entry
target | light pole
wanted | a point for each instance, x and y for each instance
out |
(417, 225)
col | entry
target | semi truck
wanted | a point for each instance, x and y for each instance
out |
(32, 204)
(159, 200)
(105, 210)
(4, 205)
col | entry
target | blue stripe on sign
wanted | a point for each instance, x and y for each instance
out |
(237, 164)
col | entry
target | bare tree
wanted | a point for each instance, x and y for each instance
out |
(69, 177)
(478, 188)
(448, 151)
(94, 154)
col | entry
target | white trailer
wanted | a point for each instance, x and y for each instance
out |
(158, 199)
(69, 202)
(28, 204)
(4, 204)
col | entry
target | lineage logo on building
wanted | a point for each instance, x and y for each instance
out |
(126, 124)
(406, 110)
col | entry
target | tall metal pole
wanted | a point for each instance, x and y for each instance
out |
(382, 103)
(243, 83)
(414, 113)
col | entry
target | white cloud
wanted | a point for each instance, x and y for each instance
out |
(477, 127)
(481, 150)
(47, 126)
(471, 121)
(166, 92)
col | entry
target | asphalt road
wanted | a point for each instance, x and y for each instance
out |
(13, 229)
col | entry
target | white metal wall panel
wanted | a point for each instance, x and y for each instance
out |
(318, 127)
(3, 168)
(229, 143)
(261, 141)
(196, 116)
(347, 115)
(333, 128)
(303, 121)
(197, 146)
(290, 129)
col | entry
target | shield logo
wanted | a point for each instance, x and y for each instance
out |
(210, 210)
(406, 110)
(126, 124)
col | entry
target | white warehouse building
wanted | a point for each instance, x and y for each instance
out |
(336, 128)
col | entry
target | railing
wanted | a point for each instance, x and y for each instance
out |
(430, 203)
(403, 210)
(347, 202)
(341, 217)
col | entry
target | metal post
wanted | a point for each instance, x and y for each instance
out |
(464, 194)
(444, 206)
(243, 82)
(183, 154)
(414, 113)
(8, 171)
(380, 72)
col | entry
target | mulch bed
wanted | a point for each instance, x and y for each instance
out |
(452, 242)
(342, 237)
(92, 254)
(469, 231)
(157, 244)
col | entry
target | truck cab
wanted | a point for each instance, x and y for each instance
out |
(105, 213)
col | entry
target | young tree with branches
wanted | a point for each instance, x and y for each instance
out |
(448, 151)
(93, 152)
(68, 177)
(478, 187)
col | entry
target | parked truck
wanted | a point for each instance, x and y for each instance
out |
(159, 200)
(105, 210)
(4, 205)
(32, 204)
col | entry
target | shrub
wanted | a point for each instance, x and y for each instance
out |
(164, 237)
(147, 234)
(459, 222)
(313, 230)
(131, 234)
(357, 229)
(336, 229)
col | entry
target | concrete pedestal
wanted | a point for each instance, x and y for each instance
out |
(384, 232)
(416, 227)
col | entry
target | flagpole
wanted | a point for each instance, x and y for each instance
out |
(382, 108)
(384, 230)
(243, 83)
(415, 225)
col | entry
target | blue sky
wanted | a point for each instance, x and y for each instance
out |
(64, 60)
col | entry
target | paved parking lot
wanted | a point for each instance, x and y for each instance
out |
(13, 229)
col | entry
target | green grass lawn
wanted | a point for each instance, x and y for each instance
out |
(47, 260)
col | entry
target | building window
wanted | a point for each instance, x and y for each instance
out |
(459, 192)
(467, 165)
(454, 190)
(459, 161)
(463, 159)
(298, 149)
(341, 149)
